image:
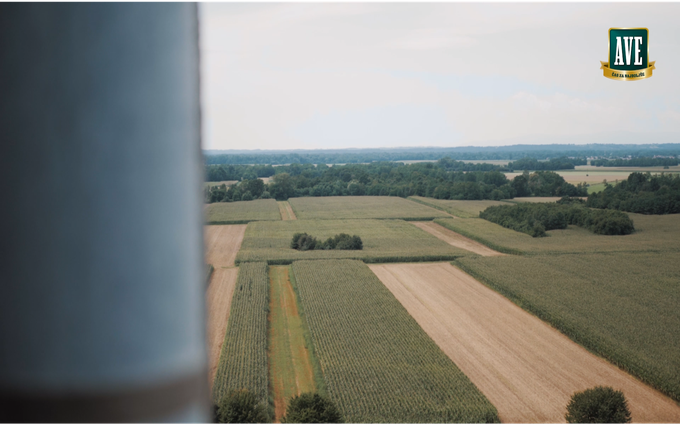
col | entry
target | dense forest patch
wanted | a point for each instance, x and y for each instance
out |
(641, 193)
(536, 218)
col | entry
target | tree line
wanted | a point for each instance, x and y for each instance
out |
(644, 161)
(353, 156)
(536, 219)
(641, 193)
(444, 179)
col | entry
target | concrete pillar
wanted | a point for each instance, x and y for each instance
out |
(101, 289)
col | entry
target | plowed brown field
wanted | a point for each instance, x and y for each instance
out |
(526, 368)
(222, 244)
(218, 301)
(455, 239)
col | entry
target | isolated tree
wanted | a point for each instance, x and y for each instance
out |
(310, 408)
(241, 407)
(602, 405)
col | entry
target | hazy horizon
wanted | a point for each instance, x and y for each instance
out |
(373, 75)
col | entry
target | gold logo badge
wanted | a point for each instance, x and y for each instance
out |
(628, 55)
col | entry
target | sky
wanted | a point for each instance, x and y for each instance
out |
(376, 75)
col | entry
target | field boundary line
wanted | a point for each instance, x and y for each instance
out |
(427, 204)
(483, 241)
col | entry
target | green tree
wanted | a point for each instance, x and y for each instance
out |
(602, 405)
(241, 407)
(311, 408)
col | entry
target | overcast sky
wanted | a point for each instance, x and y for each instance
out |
(339, 75)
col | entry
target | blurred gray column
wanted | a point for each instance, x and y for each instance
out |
(101, 295)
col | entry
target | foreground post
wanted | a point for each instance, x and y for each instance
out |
(101, 299)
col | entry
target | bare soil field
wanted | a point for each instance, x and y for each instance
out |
(286, 211)
(218, 301)
(455, 239)
(222, 244)
(526, 368)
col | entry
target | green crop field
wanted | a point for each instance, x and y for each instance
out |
(361, 207)
(624, 307)
(378, 363)
(652, 234)
(465, 209)
(242, 212)
(225, 182)
(243, 360)
(384, 241)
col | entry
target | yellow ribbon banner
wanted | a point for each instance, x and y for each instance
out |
(634, 75)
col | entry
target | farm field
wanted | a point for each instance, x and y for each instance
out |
(243, 359)
(241, 212)
(592, 175)
(286, 211)
(463, 209)
(536, 199)
(378, 363)
(455, 239)
(218, 300)
(224, 182)
(290, 366)
(384, 241)
(361, 207)
(652, 234)
(527, 369)
(222, 243)
(623, 307)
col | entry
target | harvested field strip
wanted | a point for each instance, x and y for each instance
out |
(652, 234)
(526, 368)
(378, 364)
(455, 239)
(286, 211)
(384, 241)
(222, 243)
(290, 366)
(362, 207)
(218, 300)
(243, 360)
(623, 307)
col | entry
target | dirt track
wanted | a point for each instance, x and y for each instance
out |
(286, 211)
(526, 368)
(455, 239)
(222, 244)
(218, 301)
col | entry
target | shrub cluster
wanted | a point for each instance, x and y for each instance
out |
(305, 242)
(641, 193)
(536, 219)
(598, 405)
(242, 407)
(311, 408)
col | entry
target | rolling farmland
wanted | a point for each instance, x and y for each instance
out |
(527, 369)
(384, 241)
(361, 207)
(243, 360)
(623, 307)
(241, 212)
(463, 209)
(290, 365)
(652, 234)
(379, 365)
